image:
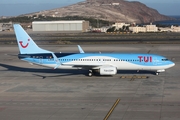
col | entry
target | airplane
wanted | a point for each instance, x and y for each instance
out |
(106, 64)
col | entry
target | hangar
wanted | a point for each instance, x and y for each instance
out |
(64, 26)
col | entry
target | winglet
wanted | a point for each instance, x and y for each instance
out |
(80, 49)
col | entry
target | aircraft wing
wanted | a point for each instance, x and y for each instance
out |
(91, 66)
(94, 65)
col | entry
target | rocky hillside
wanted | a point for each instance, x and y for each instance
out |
(110, 10)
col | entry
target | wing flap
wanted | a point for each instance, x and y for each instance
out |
(92, 66)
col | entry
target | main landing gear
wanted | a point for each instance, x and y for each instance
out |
(157, 73)
(90, 73)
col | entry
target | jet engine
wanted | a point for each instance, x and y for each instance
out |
(108, 70)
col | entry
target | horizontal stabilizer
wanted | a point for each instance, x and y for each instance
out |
(56, 60)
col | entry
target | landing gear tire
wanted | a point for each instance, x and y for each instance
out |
(90, 73)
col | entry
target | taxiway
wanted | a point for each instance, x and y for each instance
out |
(30, 92)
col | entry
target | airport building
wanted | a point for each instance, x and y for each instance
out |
(6, 26)
(151, 28)
(102, 29)
(137, 29)
(145, 28)
(1, 28)
(175, 28)
(62, 26)
(120, 25)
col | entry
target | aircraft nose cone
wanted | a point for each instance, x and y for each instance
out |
(172, 64)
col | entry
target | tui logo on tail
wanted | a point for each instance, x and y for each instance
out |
(24, 46)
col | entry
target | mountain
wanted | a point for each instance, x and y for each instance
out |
(109, 10)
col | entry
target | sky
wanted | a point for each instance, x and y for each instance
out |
(18, 7)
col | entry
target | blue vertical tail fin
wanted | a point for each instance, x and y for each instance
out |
(25, 42)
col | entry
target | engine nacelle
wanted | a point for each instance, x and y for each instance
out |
(160, 71)
(108, 71)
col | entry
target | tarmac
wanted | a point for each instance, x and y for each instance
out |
(30, 92)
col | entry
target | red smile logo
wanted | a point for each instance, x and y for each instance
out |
(24, 46)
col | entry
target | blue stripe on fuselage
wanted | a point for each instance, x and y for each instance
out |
(139, 59)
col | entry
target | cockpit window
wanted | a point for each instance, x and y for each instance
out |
(164, 59)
